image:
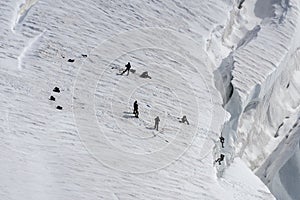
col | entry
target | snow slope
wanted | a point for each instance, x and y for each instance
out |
(93, 148)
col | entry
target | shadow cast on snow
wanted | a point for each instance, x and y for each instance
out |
(126, 112)
(150, 128)
(129, 116)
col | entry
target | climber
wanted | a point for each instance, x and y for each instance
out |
(145, 75)
(184, 119)
(220, 159)
(222, 141)
(136, 109)
(128, 66)
(157, 120)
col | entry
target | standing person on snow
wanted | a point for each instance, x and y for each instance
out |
(136, 109)
(157, 120)
(128, 66)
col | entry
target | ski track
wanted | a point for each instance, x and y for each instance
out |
(42, 154)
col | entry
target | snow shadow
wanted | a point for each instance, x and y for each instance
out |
(126, 112)
(128, 115)
(265, 8)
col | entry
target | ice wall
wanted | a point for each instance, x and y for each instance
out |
(281, 171)
(258, 83)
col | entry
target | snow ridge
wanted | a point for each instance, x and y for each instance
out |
(243, 81)
(254, 80)
(24, 8)
(281, 169)
(28, 47)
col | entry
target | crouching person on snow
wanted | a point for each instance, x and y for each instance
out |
(184, 120)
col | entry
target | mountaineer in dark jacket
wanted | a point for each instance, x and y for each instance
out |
(128, 66)
(157, 120)
(220, 159)
(136, 109)
(184, 120)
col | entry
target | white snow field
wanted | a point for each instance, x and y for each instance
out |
(229, 66)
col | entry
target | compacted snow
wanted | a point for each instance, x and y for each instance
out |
(208, 60)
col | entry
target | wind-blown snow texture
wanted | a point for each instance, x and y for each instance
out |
(197, 52)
